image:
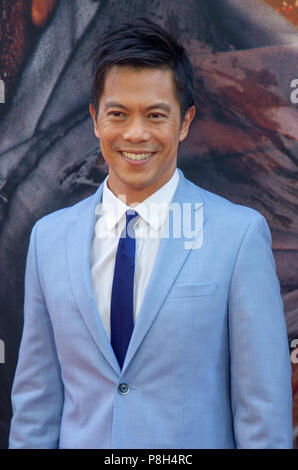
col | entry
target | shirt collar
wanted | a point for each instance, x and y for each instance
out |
(154, 210)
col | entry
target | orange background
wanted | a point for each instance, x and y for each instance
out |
(287, 8)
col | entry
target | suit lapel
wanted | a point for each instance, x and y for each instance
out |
(165, 271)
(78, 248)
(171, 256)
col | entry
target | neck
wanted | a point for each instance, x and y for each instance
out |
(134, 194)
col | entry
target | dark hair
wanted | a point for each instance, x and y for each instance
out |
(142, 43)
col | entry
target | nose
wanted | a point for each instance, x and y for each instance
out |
(136, 131)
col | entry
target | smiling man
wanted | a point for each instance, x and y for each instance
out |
(134, 341)
(139, 127)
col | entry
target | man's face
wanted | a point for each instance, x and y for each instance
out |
(139, 128)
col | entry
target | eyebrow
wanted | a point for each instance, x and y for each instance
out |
(113, 104)
(159, 105)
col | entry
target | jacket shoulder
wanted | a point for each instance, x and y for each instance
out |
(216, 203)
(65, 215)
(225, 214)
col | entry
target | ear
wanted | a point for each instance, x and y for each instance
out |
(186, 122)
(92, 112)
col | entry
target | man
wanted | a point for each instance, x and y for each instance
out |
(140, 332)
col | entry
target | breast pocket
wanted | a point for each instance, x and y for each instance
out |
(192, 290)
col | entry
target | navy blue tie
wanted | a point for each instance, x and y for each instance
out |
(122, 291)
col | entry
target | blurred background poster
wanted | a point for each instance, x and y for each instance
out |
(243, 143)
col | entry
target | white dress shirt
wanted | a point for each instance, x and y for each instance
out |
(109, 225)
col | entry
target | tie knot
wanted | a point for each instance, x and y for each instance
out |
(131, 218)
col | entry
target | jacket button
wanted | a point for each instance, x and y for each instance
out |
(123, 388)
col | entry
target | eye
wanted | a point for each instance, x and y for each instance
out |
(116, 114)
(157, 115)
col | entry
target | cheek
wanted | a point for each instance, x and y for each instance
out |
(107, 135)
(170, 139)
(109, 144)
(170, 133)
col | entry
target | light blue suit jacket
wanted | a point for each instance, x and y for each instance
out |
(208, 363)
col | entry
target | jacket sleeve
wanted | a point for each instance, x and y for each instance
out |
(259, 353)
(37, 392)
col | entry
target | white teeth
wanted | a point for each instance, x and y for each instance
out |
(137, 156)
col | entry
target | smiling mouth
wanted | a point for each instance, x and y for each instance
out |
(137, 156)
